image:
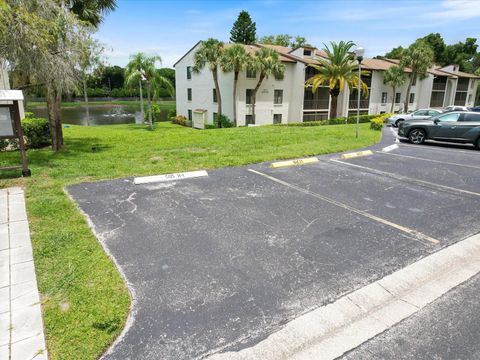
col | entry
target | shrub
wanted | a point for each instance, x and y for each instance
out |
(222, 121)
(37, 132)
(28, 115)
(155, 113)
(376, 124)
(181, 120)
(210, 126)
(172, 113)
(3, 144)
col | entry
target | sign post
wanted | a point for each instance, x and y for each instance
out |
(11, 127)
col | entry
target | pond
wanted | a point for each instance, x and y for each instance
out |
(100, 114)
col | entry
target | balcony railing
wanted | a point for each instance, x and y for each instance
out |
(462, 87)
(438, 103)
(364, 103)
(315, 104)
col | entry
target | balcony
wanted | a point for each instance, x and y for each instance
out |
(315, 104)
(364, 103)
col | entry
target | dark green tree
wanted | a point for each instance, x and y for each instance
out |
(244, 30)
(395, 53)
(463, 54)
(92, 11)
(438, 46)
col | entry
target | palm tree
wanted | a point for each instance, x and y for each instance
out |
(142, 69)
(267, 62)
(336, 71)
(236, 59)
(133, 73)
(210, 54)
(394, 77)
(92, 11)
(419, 58)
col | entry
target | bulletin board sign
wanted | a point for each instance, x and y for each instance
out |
(10, 125)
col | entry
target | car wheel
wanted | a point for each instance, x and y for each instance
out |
(477, 144)
(417, 136)
(398, 122)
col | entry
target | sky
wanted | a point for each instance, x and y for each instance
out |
(171, 28)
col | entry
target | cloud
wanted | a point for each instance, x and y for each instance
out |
(456, 10)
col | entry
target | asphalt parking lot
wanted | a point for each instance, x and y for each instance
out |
(218, 263)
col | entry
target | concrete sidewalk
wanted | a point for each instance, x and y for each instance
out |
(21, 327)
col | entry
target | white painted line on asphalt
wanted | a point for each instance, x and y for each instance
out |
(431, 160)
(440, 149)
(397, 140)
(330, 331)
(390, 148)
(411, 232)
(169, 177)
(409, 179)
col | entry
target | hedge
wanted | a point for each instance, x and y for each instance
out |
(336, 121)
(36, 132)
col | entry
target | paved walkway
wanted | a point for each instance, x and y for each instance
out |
(21, 327)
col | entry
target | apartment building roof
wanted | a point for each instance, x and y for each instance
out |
(442, 72)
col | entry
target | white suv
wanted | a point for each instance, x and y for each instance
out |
(416, 115)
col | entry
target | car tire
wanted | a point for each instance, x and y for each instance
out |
(477, 144)
(398, 122)
(417, 136)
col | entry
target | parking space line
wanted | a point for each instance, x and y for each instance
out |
(409, 179)
(425, 159)
(442, 148)
(411, 232)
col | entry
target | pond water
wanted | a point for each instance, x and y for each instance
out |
(99, 114)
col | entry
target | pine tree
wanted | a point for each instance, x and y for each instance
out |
(243, 30)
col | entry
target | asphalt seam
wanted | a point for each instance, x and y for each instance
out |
(334, 329)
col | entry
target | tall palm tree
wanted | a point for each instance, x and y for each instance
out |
(337, 70)
(236, 59)
(267, 62)
(133, 73)
(142, 69)
(92, 11)
(419, 57)
(394, 77)
(210, 54)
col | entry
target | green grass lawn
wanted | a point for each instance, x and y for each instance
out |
(85, 302)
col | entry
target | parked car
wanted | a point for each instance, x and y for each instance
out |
(476, 109)
(455, 108)
(456, 126)
(416, 115)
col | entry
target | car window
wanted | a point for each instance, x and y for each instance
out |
(471, 117)
(420, 112)
(433, 112)
(449, 117)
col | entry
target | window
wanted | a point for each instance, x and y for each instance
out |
(248, 97)
(449, 117)
(277, 118)
(278, 97)
(189, 94)
(421, 113)
(214, 95)
(412, 98)
(190, 115)
(248, 119)
(251, 73)
(384, 97)
(215, 116)
(414, 82)
(433, 112)
(471, 117)
(397, 98)
(307, 52)
(189, 72)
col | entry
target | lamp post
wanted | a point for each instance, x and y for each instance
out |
(359, 55)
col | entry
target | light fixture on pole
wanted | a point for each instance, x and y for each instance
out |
(359, 55)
